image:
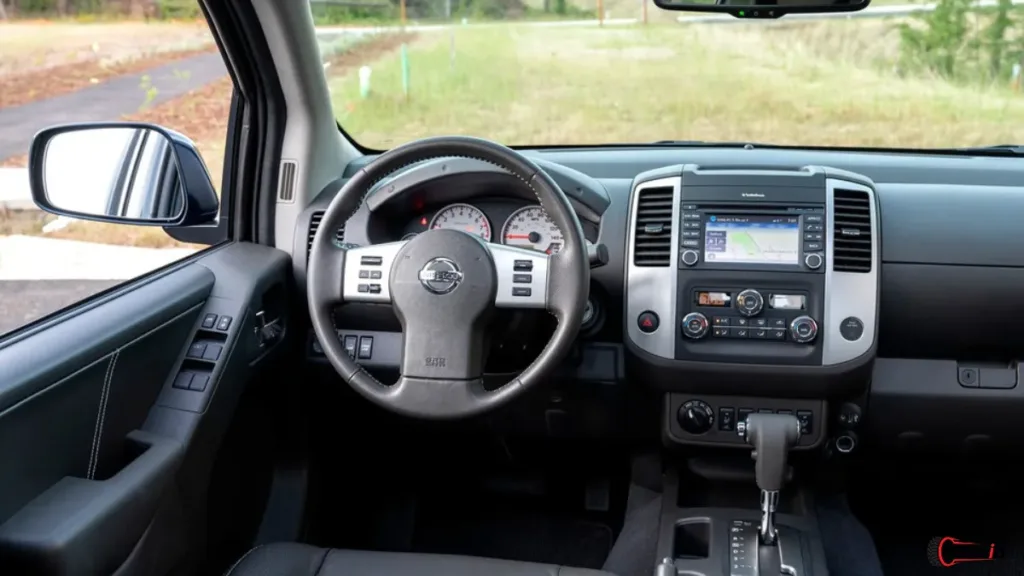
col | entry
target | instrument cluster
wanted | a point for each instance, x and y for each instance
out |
(525, 227)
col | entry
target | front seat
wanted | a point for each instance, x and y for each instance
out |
(289, 559)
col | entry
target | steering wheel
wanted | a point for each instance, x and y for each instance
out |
(444, 284)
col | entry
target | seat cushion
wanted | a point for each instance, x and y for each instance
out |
(287, 559)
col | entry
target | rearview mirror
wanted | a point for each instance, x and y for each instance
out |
(121, 172)
(763, 8)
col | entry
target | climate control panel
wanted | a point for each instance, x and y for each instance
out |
(743, 315)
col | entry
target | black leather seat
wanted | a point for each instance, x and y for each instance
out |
(289, 559)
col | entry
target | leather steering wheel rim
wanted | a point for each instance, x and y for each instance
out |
(443, 285)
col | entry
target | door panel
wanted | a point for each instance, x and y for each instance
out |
(111, 414)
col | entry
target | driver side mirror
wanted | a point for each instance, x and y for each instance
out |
(121, 172)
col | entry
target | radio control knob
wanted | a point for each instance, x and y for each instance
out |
(689, 257)
(749, 302)
(695, 325)
(813, 261)
(803, 329)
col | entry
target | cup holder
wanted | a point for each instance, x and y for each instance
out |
(692, 539)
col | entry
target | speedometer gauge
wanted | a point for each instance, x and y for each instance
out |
(531, 227)
(463, 217)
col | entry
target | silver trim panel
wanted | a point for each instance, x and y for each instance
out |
(848, 293)
(653, 288)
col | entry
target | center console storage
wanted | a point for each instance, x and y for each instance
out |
(711, 528)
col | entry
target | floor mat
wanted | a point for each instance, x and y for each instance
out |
(503, 532)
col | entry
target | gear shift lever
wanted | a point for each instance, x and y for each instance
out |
(771, 435)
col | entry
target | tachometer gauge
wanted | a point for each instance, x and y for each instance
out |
(463, 217)
(531, 227)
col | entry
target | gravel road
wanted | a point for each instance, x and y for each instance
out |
(22, 301)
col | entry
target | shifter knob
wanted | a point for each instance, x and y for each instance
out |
(771, 436)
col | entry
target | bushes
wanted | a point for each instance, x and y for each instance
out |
(961, 42)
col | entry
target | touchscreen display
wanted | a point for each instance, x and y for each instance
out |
(752, 239)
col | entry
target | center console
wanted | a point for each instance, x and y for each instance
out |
(761, 282)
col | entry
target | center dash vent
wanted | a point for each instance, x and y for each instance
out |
(314, 224)
(851, 239)
(652, 242)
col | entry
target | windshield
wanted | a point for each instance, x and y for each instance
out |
(529, 72)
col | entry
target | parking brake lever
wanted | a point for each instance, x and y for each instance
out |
(771, 436)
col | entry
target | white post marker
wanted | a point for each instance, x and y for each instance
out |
(1015, 76)
(364, 81)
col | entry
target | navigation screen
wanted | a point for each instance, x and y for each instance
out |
(752, 239)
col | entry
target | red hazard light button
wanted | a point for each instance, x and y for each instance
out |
(648, 322)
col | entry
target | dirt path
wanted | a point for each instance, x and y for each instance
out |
(107, 100)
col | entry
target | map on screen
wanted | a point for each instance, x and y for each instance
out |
(752, 239)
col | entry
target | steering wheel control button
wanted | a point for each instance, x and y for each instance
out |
(350, 345)
(365, 347)
(224, 323)
(851, 329)
(749, 302)
(521, 292)
(364, 288)
(364, 274)
(209, 321)
(727, 419)
(374, 288)
(969, 377)
(375, 274)
(695, 325)
(371, 260)
(696, 417)
(803, 330)
(522, 278)
(647, 322)
(813, 260)
(689, 257)
(522, 266)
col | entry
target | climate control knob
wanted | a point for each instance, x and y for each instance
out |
(695, 325)
(695, 416)
(689, 257)
(803, 329)
(749, 302)
(813, 261)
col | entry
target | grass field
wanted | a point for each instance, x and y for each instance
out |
(813, 83)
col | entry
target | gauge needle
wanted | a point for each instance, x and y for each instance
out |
(518, 236)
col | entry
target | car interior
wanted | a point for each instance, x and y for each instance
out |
(456, 357)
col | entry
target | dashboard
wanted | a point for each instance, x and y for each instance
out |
(817, 282)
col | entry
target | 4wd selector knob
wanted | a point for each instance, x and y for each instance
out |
(803, 329)
(695, 325)
(749, 302)
(695, 416)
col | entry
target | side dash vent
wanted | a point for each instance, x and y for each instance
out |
(314, 224)
(286, 183)
(652, 242)
(851, 238)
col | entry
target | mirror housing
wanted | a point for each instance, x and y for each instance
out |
(121, 172)
(762, 9)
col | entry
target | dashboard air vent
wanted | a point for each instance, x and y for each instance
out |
(851, 239)
(652, 244)
(314, 224)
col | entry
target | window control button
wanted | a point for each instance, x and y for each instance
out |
(196, 350)
(182, 380)
(199, 382)
(365, 347)
(209, 321)
(212, 352)
(224, 324)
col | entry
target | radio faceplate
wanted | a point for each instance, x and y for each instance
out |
(739, 237)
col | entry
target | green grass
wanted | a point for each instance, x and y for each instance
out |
(813, 83)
